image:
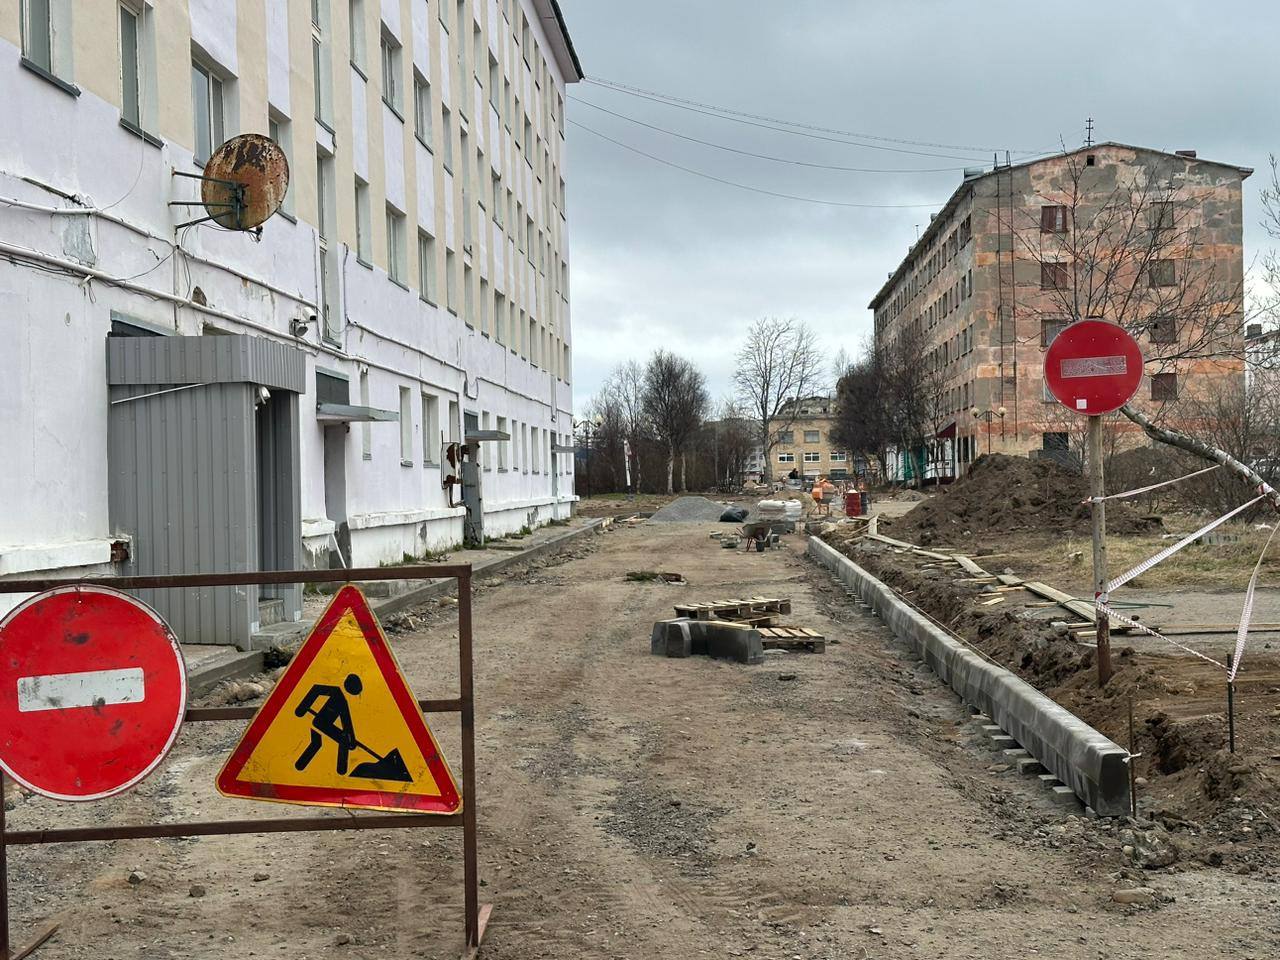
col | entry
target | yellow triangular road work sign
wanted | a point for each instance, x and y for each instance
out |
(341, 728)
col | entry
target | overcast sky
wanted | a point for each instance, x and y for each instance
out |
(663, 258)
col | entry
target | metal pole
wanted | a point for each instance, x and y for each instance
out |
(1231, 716)
(1097, 489)
(471, 880)
(4, 879)
(1133, 773)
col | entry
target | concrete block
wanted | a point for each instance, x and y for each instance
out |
(671, 638)
(1064, 796)
(723, 640)
(1095, 767)
(1016, 754)
(1030, 768)
(1003, 744)
(1049, 781)
(992, 730)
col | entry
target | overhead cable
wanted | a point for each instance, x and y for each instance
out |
(730, 113)
(763, 156)
(744, 186)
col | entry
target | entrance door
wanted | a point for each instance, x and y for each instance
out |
(335, 494)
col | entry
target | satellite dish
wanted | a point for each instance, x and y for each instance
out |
(245, 181)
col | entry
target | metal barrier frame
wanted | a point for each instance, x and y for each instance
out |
(476, 916)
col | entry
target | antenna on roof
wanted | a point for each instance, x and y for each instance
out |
(243, 184)
(1088, 132)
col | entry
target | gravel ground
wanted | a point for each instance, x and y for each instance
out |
(817, 806)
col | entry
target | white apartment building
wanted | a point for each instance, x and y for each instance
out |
(192, 399)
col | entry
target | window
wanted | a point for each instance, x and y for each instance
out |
(811, 436)
(496, 203)
(207, 108)
(426, 266)
(1053, 219)
(812, 457)
(37, 33)
(1163, 330)
(391, 72)
(278, 129)
(1049, 330)
(1054, 276)
(355, 10)
(837, 456)
(1164, 386)
(1160, 273)
(485, 319)
(406, 429)
(786, 458)
(422, 110)
(533, 341)
(430, 430)
(395, 245)
(468, 296)
(442, 11)
(484, 458)
(366, 435)
(454, 430)
(364, 223)
(446, 130)
(495, 84)
(130, 68)
(500, 318)
(324, 228)
(451, 281)
(787, 436)
(1160, 215)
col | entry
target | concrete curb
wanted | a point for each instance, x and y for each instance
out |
(1092, 766)
(204, 679)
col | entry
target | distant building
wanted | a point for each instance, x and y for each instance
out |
(806, 446)
(980, 292)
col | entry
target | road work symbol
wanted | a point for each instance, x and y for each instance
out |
(333, 720)
(341, 728)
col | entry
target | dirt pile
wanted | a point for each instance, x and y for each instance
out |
(1000, 494)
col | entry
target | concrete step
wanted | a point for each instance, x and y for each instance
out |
(270, 611)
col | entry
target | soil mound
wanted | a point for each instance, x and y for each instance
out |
(689, 510)
(1001, 494)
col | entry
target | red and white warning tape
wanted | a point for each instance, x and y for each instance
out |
(1143, 628)
(1246, 613)
(1168, 552)
(1148, 489)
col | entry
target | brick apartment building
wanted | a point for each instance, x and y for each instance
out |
(1142, 237)
(805, 445)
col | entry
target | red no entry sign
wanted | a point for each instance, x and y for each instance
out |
(1093, 367)
(93, 689)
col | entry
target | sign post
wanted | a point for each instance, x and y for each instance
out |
(1094, 368)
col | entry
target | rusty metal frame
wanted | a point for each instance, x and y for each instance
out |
(476, 916)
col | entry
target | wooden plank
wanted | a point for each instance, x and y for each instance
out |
(993, 601)
(970, 567)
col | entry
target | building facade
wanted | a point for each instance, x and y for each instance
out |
(285, 395)
(1148, 239)
(806, 445)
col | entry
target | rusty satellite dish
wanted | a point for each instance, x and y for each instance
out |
(245, 181)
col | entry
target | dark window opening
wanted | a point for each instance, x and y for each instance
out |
(1054, 276)
(1161, 274)
(1164, 386)
(1163, 330)
(1053, 219)
(1049, 330)
(1091, 160)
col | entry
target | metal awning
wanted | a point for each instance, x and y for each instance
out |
(563, 448)
(346, 413)
(947, 432)
(480, 436)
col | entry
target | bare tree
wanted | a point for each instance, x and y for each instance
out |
(778, 365)
(734, 439)
(863, 424)
(625, 388)
(675, 402)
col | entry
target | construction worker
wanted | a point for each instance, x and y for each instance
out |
(817, 493)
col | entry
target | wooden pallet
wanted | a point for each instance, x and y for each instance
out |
(734, 609)
(792, 638)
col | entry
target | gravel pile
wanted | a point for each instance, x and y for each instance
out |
(690, 510)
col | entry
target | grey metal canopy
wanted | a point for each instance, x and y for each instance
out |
(347, 413)
(479, 436)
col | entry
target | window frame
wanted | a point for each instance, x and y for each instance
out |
(215, 95)
(396, 253)
(1164, 386)
(390, 53)
(1155, 278)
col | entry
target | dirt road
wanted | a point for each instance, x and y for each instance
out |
(819, 806)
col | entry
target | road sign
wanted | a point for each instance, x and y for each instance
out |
(1093, 367)
(93, 689)
(341, 728)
